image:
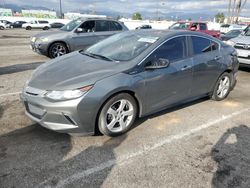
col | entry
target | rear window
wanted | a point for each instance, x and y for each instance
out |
(203, 45)
(102, 25)
(114, 26)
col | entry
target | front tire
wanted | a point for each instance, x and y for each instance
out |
(222, 87)
(117, 115)
(1, 28)
(28, 28)
(57, 49)
(46, 28)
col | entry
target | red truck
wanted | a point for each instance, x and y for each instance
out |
(195, 26)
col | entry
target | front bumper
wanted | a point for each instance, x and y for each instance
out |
(243, 56)
(60, 116)
(40, 48)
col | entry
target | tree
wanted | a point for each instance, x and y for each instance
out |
(137, 16)
(189, 19)
(220, 17)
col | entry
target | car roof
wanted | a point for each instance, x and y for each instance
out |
(97, 18)
(169, 33)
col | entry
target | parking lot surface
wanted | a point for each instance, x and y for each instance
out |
(199, 144)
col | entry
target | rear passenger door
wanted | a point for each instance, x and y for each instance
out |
(207, 61)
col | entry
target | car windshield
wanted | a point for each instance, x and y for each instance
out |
(233, 32)
(247, 33)
(71, 25)
(121, 47)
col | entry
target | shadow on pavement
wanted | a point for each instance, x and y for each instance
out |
(232, 153)
(36, 157)
(19, 68)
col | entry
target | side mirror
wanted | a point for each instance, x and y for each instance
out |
(79, 30)
(158, 64)
(193, 28)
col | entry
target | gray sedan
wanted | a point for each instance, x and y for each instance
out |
(128, 75)
(77, 34)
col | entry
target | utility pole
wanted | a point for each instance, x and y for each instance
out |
(229, 12)
(61, 15)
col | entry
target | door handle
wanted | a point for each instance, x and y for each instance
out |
(185, 67)
(217, 58)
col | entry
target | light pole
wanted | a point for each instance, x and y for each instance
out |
(60, 8)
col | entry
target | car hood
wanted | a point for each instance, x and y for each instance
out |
(72, 71)
(242, 39)
(48, 34)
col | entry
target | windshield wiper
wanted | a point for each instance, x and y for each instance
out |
(98, 56)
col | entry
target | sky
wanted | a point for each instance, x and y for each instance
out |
(130, 6)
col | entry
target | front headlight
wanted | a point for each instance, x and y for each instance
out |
(67, 94)
(229, 42)
(33, 39)
(42, 40)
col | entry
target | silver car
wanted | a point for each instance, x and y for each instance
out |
(128, 75)
(242, 45)
(77, 34)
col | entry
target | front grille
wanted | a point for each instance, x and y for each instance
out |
(38, 116)
(242, 46)
(244, 57)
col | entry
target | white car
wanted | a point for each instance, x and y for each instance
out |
(2, 26)
(37, 24)
(242, 45)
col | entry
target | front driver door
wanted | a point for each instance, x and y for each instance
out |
(86, 38)
(172, 84)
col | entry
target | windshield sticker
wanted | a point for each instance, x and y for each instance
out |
(148, 39)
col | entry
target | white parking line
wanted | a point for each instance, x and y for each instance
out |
(10, 94)
(123, 159)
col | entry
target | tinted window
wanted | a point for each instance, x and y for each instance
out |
(201, 45)
(203, 26)
(102, 25)
(214, 45)
(174, 49)
(88, 26)
(114, 26)
(43, 22)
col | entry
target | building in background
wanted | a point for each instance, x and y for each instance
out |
(5, 12)
(72, 16)
(39, 14)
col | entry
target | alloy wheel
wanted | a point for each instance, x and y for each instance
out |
(58, 50)
(223, 87)
(119, 115)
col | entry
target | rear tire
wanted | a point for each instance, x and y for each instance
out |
(222, 87)
(117, 115)
(28, 28)
(46, 28)
(1, 28)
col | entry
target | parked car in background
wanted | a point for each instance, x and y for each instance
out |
(2, 26)
(144, 27)
(224, 28)
(231, 34)
(242, 45)
(36, 24)
(56, 25)
(17, 24)
(77, 34)
(6, 23)
(128, 75)
(195, 26)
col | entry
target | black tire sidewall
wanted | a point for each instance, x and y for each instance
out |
(50, 48)
(1, 28)
(215, 96)
(101, 117)
(28, 28)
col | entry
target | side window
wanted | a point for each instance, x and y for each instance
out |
(114, 26)
(173, 50)
(200, 45)
(88, 26)
(203, 26)
(102, 25)
(214, 46)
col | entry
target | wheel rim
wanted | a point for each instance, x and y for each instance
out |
(58, 50)
(223, 87)
(119, 115)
